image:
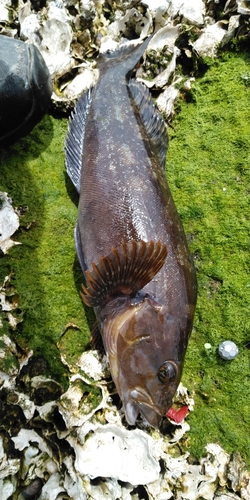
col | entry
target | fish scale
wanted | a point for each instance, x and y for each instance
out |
(139, 274)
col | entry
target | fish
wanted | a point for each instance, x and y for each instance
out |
(139, 274)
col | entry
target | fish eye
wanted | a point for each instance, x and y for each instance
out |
(167, 372)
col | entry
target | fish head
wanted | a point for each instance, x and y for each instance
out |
(146, 348)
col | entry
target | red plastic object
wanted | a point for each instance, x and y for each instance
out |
(179, 415)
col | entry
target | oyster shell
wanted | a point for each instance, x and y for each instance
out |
(9, 223)
(211, 37)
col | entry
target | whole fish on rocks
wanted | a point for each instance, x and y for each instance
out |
(129, 238)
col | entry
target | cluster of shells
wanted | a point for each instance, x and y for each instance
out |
(49, 438)
(70, 34)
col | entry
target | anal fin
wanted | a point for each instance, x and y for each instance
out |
(125, 271)
(96, 338)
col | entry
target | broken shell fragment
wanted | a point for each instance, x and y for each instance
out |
(243, 7)
(165, 101)
(9, 223)
(193, 11)
(62, 434)
(133, 455)
(133, 22)
(233, 25)
(83, 81)
(45, 390)
(94, 365)
(165, 37)
(207, 44)
(162, 78)
(5, 6)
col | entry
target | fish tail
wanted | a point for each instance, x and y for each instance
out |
(125, 56)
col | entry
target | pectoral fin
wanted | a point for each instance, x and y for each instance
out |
(125, 271)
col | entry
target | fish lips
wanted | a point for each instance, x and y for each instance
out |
(140, 402)
(133, 409)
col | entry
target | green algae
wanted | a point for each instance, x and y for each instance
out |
(208, 172)
(8, 362)
(44, 267)
(208, 168)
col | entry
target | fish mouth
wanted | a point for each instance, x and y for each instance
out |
(150, 414)
(147, 409)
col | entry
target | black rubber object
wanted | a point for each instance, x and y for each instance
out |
(25, 89)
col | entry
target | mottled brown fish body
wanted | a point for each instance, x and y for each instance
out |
(125, 204)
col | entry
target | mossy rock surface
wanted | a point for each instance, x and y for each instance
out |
(44, 268)
(208, 168)
(208, 172)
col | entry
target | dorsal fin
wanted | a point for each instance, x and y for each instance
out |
(151, 119)
(125, 271)
(75, 137)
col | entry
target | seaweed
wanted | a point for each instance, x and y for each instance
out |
(209, 173)
(42, 267)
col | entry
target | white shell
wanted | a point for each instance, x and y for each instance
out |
(56, 35)
(165, 101)
(243, 7)
(83, 81)
(161, 80)
(192, 11)
(166, 36)
(7, 488)
(93, 364)
(207, 43)
(9, 222)
(5, 5)
(130, 456)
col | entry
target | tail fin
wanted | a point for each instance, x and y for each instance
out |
(125, 56)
